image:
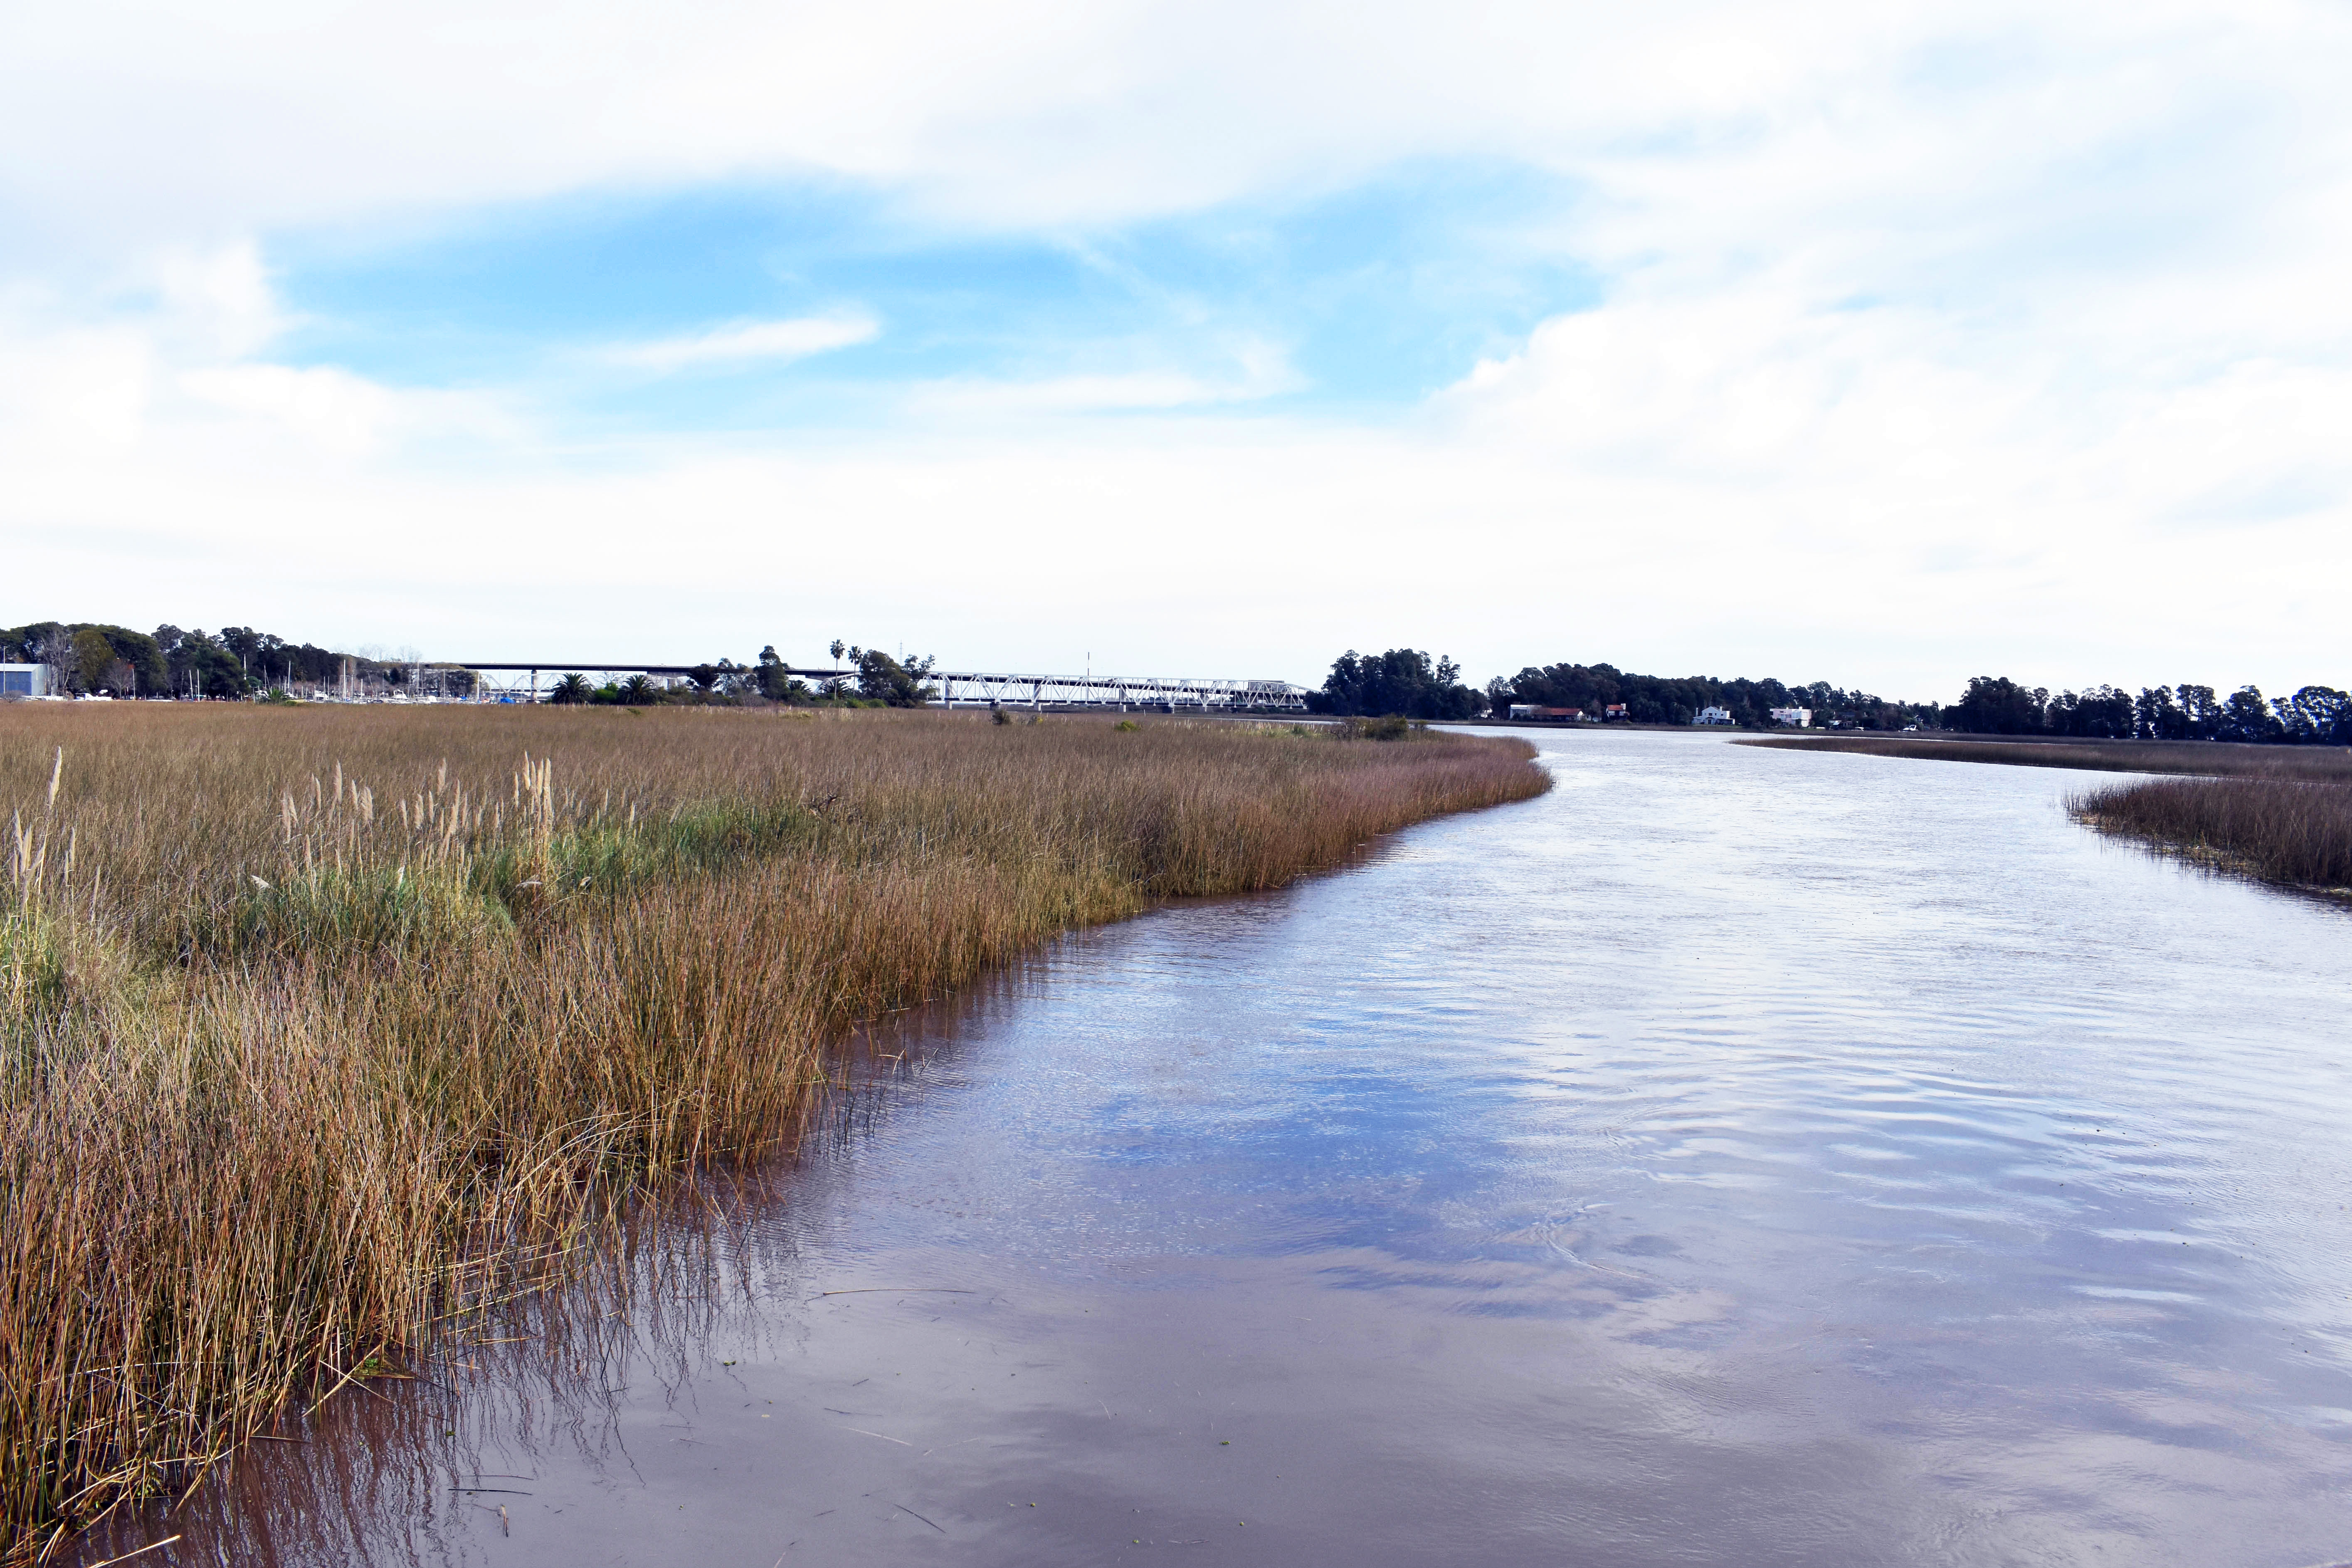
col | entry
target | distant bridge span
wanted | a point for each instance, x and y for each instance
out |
(1117, 691)
(975, 687)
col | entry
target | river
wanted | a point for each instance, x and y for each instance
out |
(1734, 1156)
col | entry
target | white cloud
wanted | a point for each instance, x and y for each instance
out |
(744, 341)
(1256, 370)
(184, 374)
(327, 411)
(333, 408)
(219, 299)
(80, 392)
(122, 115)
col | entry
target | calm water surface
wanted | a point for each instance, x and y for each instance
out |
(1733, 1157)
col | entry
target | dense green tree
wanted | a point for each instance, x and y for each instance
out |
(571, 688)
(93, 661)
(2246, 717)
(18, 644)
(150, 675)
(1401, 681)
(2203, 712)
(2315, 715)
(199, 667)
(882, 679)
(2101, 713)
(258, 655)
(2156, 717)
(1996, 705)
(774, 683)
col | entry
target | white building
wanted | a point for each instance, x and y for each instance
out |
(23, 680)
(1713, 716)
(1792, 718)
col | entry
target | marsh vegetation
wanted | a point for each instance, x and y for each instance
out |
(2293, 831)
(320, 1028)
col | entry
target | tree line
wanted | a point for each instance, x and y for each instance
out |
(90, 658)
(1409, 682)
(1996, 705)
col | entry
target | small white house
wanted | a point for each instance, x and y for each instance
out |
(1523, 709)
(23, 680)
(1792, 718)
(1713, 716)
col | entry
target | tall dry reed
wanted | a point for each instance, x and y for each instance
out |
(2287, 831)
(322, 1025)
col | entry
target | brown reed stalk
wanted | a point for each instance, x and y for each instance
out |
(326, 1027)
(2293, 832)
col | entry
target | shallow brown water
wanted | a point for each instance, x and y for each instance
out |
(1734, 1157)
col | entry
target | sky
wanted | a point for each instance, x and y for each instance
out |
(1886, 345)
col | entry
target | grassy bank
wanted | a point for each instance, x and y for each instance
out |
(2294, 832)
(2203, 757)
(318, 1027)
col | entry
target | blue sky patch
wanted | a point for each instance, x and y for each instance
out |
(1366, 298)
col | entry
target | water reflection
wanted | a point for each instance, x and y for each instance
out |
(1733, 1156)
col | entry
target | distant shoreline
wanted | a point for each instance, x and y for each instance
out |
(2227, 759)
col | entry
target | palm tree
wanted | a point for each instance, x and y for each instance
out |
(572, 688)
(640, 689)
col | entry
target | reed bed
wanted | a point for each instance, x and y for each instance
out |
(320, 1028)
(2288, 831)
(2203, 757)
